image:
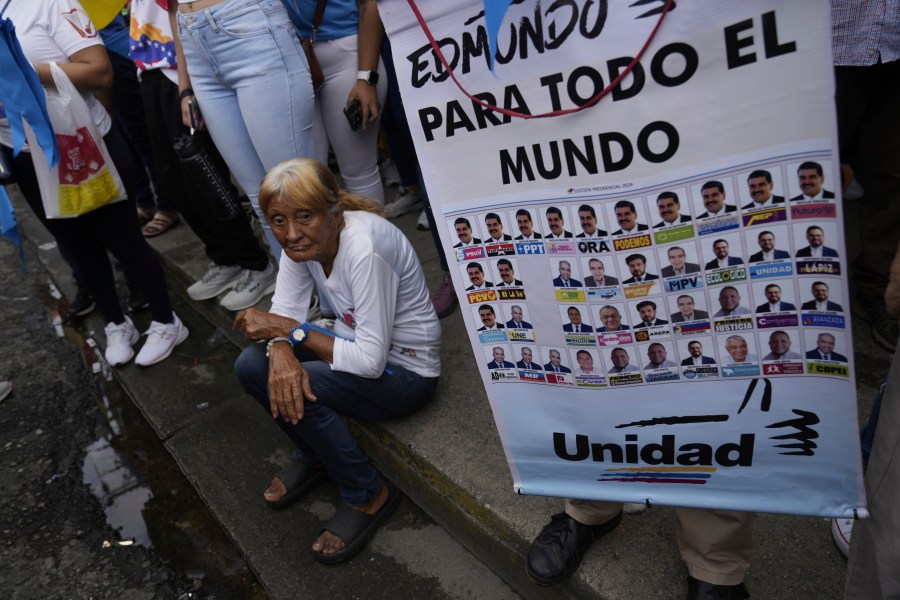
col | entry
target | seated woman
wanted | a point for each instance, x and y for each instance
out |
(383, 363)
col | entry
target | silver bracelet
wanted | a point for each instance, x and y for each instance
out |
(275, 341)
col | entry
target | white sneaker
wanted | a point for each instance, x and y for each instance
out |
(216, 280)
(841, 529)
(406, 201)
(161, 340)
(250, 288)
(119, 341)
(389, 174)
(422, 222)
(324, 322)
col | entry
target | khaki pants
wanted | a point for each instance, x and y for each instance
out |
(716, 545)
(874, 567)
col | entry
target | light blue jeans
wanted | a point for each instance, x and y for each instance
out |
(251, 79)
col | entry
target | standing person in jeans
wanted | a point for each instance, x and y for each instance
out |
(347, 47)
(238, 264)
(245, 67)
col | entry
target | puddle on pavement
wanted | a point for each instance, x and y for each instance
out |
(146, 497)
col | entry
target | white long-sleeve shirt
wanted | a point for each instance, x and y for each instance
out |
(377, 289)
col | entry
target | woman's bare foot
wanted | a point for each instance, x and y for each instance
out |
(276, 490)
(329, 543)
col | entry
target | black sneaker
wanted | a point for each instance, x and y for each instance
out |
(136, 300)
(83, 304)
(885, 330)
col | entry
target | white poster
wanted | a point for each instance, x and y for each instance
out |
(654, 285)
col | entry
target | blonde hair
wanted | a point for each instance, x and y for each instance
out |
(307, 184)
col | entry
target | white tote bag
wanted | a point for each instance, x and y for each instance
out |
(85, 178)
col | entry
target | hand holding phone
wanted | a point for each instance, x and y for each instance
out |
(354, 115)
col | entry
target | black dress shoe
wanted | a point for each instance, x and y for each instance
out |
(557, 551)
(700, 590)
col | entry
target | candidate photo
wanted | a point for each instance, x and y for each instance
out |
(527, 361)
(677, 263)
(507, 274)
(697, 358)
(518, 318)
(575, 324)
(611, 319)
(598, 276)
(564, 279)
(815, 236)
(556, 224)
(488, 319)
(737, 349)
(759, 186)
(647, 315)
(767, 249)
(555, 365)
(587, 218)
(824, 349)
(780, 347)
(494, 226)
(526, 226)
(713, 196)
(669, 207)
(464, 233)
(686, 311)
(499, 361)
(811, 179)
(722, 259)
(475, 273)
(637, 265)
(626, 217)
(730, 303)
(820, 299)
(774, 303)
(621, 362)
(657, 357)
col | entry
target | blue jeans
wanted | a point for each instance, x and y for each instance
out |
(321, 436)
(251, 79)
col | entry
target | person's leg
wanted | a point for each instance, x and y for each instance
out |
(869, 127)
(227, 243)
(254, 91)
(356, 151)
(86, 253)
(321, 435)
(875, 546)
(396, 127)
(716, 545)
(592, 512)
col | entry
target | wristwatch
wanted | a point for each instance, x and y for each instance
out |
(370, 77)
(299, 334)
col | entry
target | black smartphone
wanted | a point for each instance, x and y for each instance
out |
(354, 115)
(194, 110)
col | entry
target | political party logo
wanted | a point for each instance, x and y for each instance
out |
(814, 211)
(662, 375)
(486, 337)
(692, 328)
(560, 246)
(740, 371)
(479, 296)
(593, 247)
(614, 338)
(818, 267)
(680, 458)
(527, 248)
(80, 22)
(729, 275)
(776, 320)
(762, 217)
(673, 234)
(734, 324)
(777, 269)
(569, 295)
(823, 368)
(520, 335)
(633, 242)
(510, 293)
(607, 293)
(717, 225)
(590, 381)
(506, 249)
(532, 376)
(677, 284)
(469, 253)
(639, 290)
(822, 320)
(625, 378)
(783, 368)
(699, 371)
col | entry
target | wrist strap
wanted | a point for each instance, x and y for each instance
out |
(275, 341)
(185, 93)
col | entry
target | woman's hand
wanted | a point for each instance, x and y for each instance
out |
(257, 325)
(368, 101)
(289, 384)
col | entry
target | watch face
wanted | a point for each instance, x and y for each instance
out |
(298, 335)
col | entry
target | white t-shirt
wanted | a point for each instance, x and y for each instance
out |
(52, 31)
(377, 290)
